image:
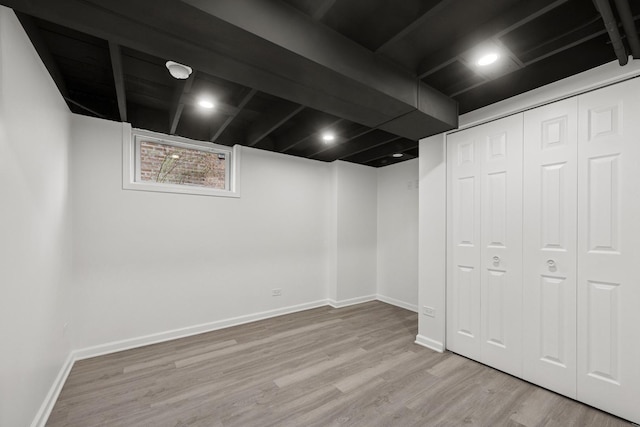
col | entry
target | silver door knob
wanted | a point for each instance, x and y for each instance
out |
(551, 263)
(496, 259)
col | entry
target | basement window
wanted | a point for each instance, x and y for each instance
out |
(170, 164)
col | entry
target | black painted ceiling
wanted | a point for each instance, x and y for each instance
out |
(282, 72)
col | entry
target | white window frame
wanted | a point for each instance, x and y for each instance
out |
(131, 164)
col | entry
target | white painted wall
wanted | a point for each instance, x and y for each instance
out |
(135, 265)
(354, 238)
(398, 234)
(35, 244)
(432, 264)
(148, 262)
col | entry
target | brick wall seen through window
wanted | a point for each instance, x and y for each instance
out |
(183, 166)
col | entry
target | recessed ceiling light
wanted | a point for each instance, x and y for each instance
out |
(179, 71)
(205, 103)
(487, 59)
(328, 137)
(396, 155)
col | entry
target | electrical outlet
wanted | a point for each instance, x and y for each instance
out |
(429, 311)
(276, 292)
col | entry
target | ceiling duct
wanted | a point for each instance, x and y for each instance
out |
(611, 24)
(613, 28)
(629, 27)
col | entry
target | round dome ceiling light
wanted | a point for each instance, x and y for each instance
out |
(397, 155)
(487, 59)
(206, 104)
(328, 137)
(179, 71)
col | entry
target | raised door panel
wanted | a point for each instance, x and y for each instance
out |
(549, 249)
(500, 145)
(609, 249)
(463, 244)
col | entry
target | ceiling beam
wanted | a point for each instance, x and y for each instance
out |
(118, 78)
(514, 18)
(179, 100)
(270, 122)
(422, 109)
(414, 25)
(268, 46)
(357, 145)
(301, 134)
(245, 100)
(322, 9)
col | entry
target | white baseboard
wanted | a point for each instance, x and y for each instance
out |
(130, 343)
(351, 301)
(429, 343)
(397, 303)
(52, 396)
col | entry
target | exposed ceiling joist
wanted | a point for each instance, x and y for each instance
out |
(293, 57)
(564, 46)
(351, 137)
(415, 24)
(300, 135)
(245, 100)
(358, 145)
(182, 91)
(514, 18)
(322, 9)
(270, 122)
(118, 77)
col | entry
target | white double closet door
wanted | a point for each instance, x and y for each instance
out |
(544, 246)
(549, 254)
(484, 293)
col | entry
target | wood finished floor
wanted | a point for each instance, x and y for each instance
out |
(355, 366)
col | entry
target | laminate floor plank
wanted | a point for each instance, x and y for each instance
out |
(353, 366)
